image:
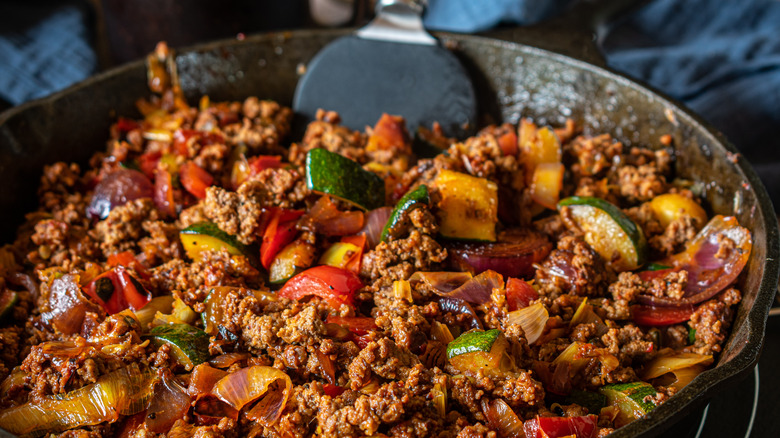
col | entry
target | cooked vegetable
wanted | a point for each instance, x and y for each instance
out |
(180, 313)
(713, 259)
(8, 300)
(413, 199)
(531, 319)
(163, 193)
(331, 221)
(117, 290)
(659, 316)
(206, 236)
(461, 284)
(561, 427)
(502, 418)
(190, 345)
(513, 255)
(335, 285)
(519, 294)
(546, 184)
(480, 351)
(537, 146)
(339, 254)
(162, 304)
(169, 403)
(330, 173)
(291, 260)
(67, 306)
(116, 189)
(439, 393)
(617, 239)
(280, 231)
(375, 222)
(593, 401)
(672, 206)
(668, 363)
(122, 392)
(633, 400)
(194, 179)
(246, 385)
(467, 207)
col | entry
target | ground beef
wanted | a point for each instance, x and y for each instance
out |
(397, 260)
(234, 213)
(711, 321)
(123, 228)
(595, 155)
(326, 133)
(573, 266)
(285, 188)
(642, 183)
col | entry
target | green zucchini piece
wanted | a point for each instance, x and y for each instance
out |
(291, 260)
(630, 399)
(617, 239)
(411, 200)
(204, 236)
(656, 267)
(472, 342)
(8, 300)
(190, 345)
(330, 173)
(593, 401)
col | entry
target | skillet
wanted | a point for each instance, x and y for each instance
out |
(511, 79)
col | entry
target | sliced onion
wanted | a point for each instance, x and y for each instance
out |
(707, 274)
(326, 365)
(116, 189)
(586, 315)
(203, 379)
(331, 221)
(162, 304)
(503, 418)
(169, 403)
(375, 222)
(680, 378)
(228, 359)
(67, 305)
(461, 285)
(458, 306)
(439, 393)
(665, 364)
(246, 385)
(122, 392)
(441, 333)
(531, 319)
(513, 255)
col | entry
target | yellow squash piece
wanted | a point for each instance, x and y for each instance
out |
(672, 206)
(468, 206)
(339, 254)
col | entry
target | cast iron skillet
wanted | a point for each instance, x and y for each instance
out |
(511, 79)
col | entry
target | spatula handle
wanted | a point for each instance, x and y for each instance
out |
(398, 21)
(394, 6)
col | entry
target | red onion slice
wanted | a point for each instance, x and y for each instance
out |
(461, 285)
(116, 189)
(513, 255)
(375, 221)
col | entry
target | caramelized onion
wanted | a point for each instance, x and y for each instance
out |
(331, 221)
(122, 392)
(203, 379)
(513, 255)
(375, 222)
(461, 285)
(503, 418)
(665, 364)
(531, 319)
(246, 385)
(67, 306)
(116, 189)
(169, 403)
(711, 266)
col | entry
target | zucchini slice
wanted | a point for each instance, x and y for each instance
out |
(480, 352)
(8, 300)
(204, 236)
(617, 239)
(330, 173)
(472, 341)
(413, 199)
(190, 345)
(631, 399)
(468, 206)
(291, 260)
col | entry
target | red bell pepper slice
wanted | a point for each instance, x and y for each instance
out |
(128, 260)
(116, 290)
(659, 316)
(125, 125)
(519, 294)
(278, 233)
(163, 193)
(360, 241)
(261, 162)
(585, 426)
(359, 325)
(334, 285)
(333, 390)
(194, 179)
(148, 163)
(508, 143)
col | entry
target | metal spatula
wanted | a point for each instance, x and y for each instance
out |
(392, 66)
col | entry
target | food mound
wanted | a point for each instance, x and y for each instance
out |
(205, 277)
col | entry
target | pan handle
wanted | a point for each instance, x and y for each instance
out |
(575, 33)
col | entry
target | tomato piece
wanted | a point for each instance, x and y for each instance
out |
(334, 285)
(519, 294)
(278, 233)
(333, 390)
(261, 162)
(163, 193)
(359, 325)
(148, 163)
(585, 426)
(508, 143)
(194, 179)
(658, 316)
